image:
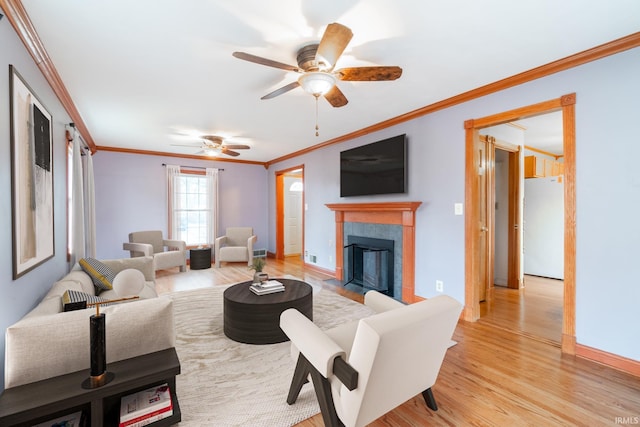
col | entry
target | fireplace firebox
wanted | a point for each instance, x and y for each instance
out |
(369, 263)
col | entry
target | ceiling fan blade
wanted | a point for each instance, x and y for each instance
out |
(361, 74)
(335, 97)
(264, 61)
(229, 152)
(236, 146)
(334, 41)
(282, 90)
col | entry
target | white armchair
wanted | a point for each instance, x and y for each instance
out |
(364, 369)
(235, 246)
(151, 243)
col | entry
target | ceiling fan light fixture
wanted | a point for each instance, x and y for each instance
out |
(212, 151)
(317, 83)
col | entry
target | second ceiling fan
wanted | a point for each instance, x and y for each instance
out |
(316, 64)
(213, 145)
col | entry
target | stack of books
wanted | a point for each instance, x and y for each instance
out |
(268, 287)
(146, 407)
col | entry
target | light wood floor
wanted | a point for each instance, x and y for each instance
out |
(535, 310)
(493, 376)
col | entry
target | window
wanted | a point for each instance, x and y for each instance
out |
(192, 213)
(193, 208)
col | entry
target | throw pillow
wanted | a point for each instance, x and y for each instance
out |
(76, 300)
(101, 275)
(128, 282)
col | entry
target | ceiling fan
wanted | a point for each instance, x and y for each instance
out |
(213, 145)
(316, 64)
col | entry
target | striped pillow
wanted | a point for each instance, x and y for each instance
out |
(76, 300)
(101, 275)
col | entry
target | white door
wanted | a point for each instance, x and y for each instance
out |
(293, 216)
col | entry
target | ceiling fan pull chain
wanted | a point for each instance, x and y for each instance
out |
(317, 128)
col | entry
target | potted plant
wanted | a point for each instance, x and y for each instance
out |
(258, 264)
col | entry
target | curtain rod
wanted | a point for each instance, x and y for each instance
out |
(193, 167)
(84, 145)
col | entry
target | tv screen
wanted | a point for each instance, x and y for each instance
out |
(376, 168)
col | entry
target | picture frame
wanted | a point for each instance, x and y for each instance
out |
(31, 177)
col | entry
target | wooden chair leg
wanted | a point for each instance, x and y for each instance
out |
(299, 379)
(325, 399)
(429, 399)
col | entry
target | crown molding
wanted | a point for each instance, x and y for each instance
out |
(616, 46)
(17, 15)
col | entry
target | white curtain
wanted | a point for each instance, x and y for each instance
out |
(76, 217)
(89, 207)
(212, 184)
(173, 172)
(82, 217)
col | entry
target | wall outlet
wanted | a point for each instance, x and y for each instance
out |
(439, 286)
(312, 258)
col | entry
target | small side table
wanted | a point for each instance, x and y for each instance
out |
(200, 258)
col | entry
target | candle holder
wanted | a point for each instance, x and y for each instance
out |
(98, 375)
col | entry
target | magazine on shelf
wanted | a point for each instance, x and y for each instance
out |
(150, 419)
(71, 420)
(145, 407)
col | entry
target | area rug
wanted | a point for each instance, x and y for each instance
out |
(225, 383)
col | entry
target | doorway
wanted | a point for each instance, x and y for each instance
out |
(476, 229)
(290, 212)
(529, 302)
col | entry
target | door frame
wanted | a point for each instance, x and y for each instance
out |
(280, 192)
(566, 104)
(514, 252)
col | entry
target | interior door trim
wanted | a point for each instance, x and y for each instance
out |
(279, 175)
(566, 104)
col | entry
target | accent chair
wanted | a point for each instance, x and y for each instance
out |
(166, 253)
(235, 246)
(361, 370)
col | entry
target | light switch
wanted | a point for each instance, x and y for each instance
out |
(457, 208)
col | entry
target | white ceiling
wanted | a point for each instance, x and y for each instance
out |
(145, 73)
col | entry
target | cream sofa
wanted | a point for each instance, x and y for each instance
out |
(48, 342)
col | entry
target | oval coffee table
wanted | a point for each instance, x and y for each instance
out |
(255, 319)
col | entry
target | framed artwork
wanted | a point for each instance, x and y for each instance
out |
(31, 179)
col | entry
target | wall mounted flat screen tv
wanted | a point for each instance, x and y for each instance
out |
(376, 168)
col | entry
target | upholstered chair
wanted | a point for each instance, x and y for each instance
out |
(166, 253)
(364, 369)
(235, 246)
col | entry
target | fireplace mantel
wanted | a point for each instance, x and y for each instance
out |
(399, 213)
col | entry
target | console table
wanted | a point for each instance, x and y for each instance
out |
(44, 400)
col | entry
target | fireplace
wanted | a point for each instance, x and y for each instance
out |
(369, 263)
(401, 215)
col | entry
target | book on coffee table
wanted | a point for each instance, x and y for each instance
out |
(268, 287)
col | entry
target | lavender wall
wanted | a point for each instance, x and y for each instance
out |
(131, 195)
(608, 194)
(17, 297)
